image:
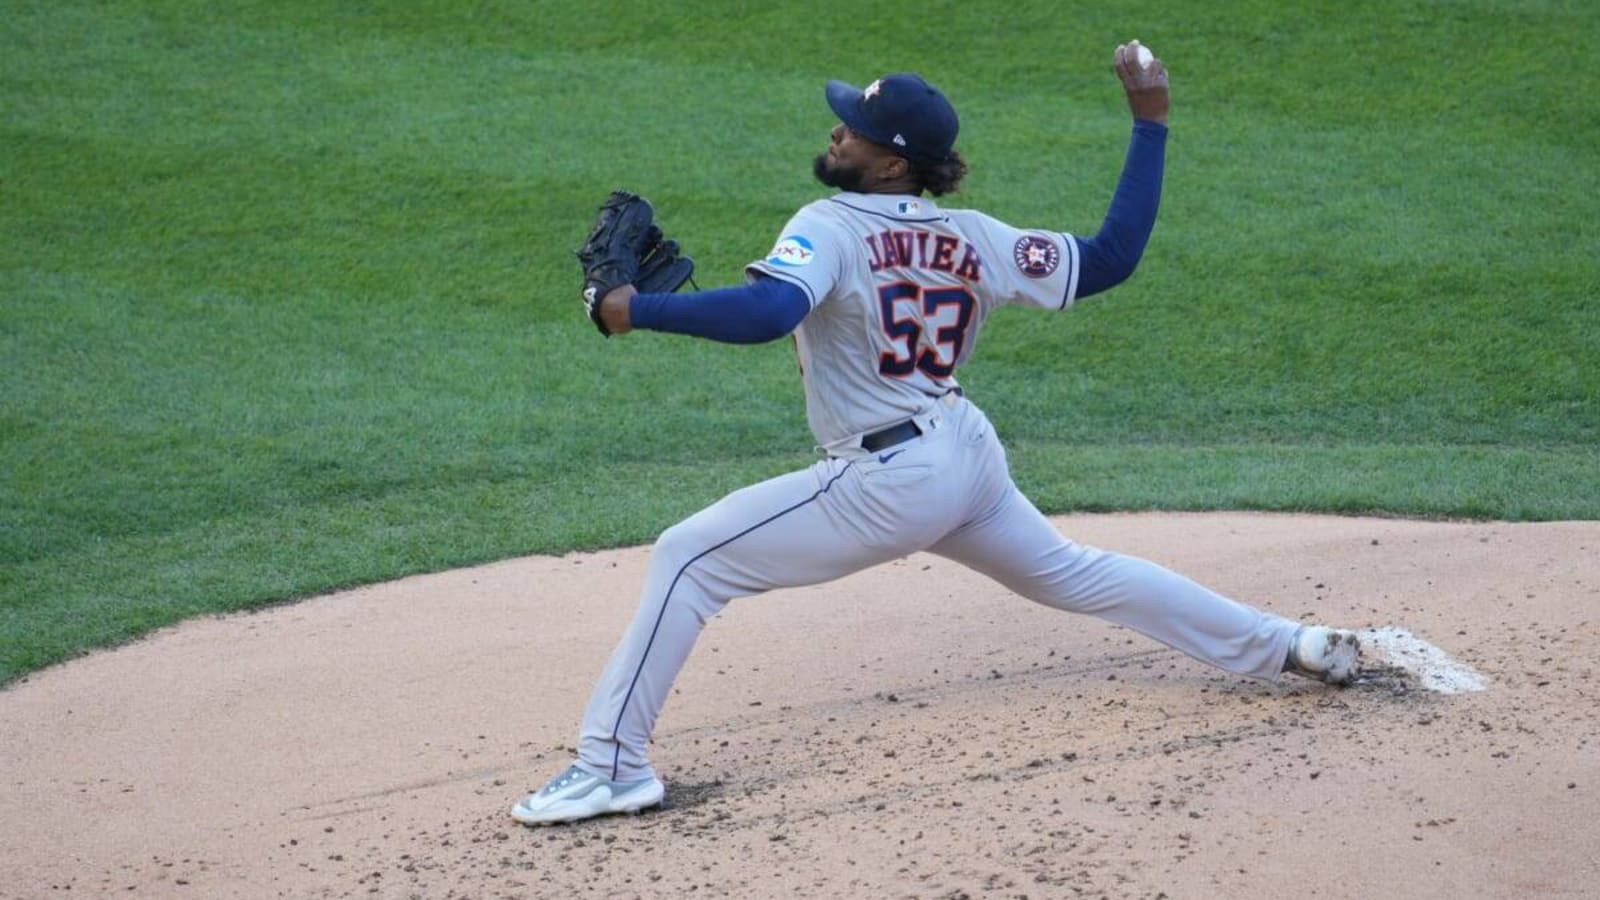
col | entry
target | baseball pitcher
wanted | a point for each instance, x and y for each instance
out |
(885, 292)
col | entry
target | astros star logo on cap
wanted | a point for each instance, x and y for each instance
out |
(872, 90)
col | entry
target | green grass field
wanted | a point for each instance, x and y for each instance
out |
(287, 300)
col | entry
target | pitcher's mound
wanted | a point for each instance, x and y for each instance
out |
(912, 731)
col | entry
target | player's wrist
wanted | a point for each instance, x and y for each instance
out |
(1151, 107)
(616, 309)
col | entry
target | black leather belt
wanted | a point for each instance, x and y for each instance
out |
(894, 434)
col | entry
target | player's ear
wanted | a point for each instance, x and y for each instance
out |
(895, 168)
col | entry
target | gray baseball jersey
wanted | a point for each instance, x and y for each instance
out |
(899, 291)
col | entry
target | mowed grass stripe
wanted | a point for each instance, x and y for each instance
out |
(1433, 481)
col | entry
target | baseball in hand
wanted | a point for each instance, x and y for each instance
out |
(1143, 57)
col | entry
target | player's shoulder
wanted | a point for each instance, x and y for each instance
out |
(972, 217)
(818, 205)
(985, 229)
(813, 229)
(819, 213)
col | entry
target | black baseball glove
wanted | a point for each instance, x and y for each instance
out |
(627, 247)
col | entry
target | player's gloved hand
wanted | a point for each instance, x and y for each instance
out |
(662, 267)
(1146, 85)
(627, 248)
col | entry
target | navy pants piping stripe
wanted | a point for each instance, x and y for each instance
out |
(616, 754)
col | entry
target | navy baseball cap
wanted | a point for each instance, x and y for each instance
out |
(900, 111)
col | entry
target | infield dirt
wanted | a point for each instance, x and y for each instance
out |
(911, 731)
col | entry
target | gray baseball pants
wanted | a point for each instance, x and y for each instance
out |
(948, 492)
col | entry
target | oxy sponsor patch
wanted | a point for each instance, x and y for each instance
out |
(1035, 256)
(793, 251)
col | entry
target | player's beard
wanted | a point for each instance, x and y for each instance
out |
(837, 176)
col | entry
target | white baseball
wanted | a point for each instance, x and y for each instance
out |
(1144, 57)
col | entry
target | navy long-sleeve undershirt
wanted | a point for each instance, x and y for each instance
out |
(1107, 259)
(763, 310)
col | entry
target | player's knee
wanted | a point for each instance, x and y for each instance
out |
(679, 544)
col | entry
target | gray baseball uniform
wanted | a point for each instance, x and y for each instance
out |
(899, 290)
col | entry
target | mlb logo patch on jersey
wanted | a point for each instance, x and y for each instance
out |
(909, 207)
(1037, 257)
(793, 251)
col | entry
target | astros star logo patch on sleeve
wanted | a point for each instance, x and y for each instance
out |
(1035, 256)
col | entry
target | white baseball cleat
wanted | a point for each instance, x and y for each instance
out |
(1331, 655)
(580, 794)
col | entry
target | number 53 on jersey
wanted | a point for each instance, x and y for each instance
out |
(926, 328)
